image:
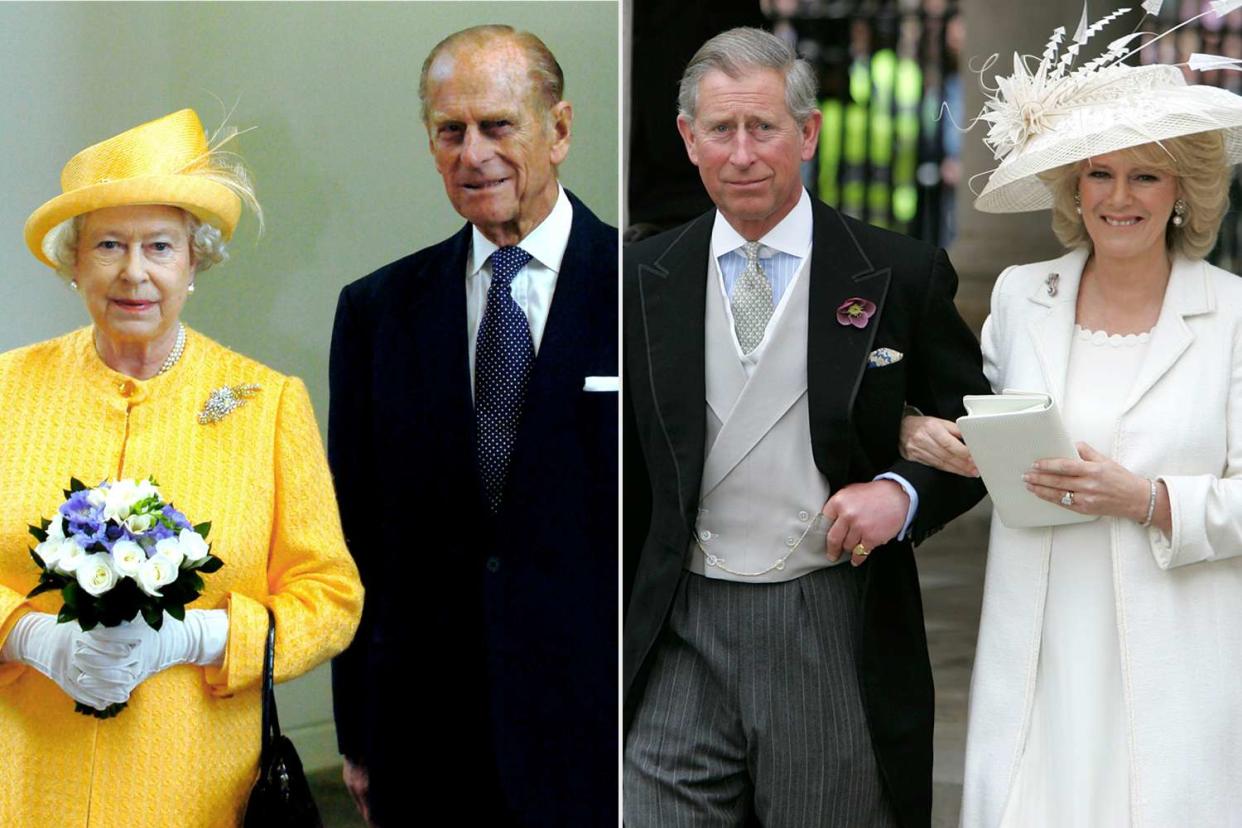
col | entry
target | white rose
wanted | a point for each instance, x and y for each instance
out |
(119, 499)
(71, 554)
(145, 489)
(55, 529)
(95, 573)
(97, 497)
(170, 548)
(193, 545)
(49, 551)
(158, 571)
(139, 523)
(128, 557)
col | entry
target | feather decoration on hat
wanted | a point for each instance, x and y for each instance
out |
(226, 168)
(1029, 103)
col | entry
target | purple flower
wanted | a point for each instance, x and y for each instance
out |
(176, 517)
(78, 508)
(856, 312)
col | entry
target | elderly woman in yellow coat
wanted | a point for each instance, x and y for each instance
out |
(228, 440)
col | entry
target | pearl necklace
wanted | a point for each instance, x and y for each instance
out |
(175, 353)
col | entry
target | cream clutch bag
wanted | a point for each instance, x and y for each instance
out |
(1006, 433)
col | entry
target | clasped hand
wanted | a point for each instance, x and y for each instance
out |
(102, 666)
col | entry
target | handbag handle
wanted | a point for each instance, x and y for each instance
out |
(271, 722)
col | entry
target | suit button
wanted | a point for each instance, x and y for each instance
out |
(804, 516)
(127, 388)
(791, 541)
(493, 564)
(705, 535)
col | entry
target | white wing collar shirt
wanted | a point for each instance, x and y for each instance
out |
(533, 286)
(781, 253)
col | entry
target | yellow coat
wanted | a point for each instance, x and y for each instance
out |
(185, 752)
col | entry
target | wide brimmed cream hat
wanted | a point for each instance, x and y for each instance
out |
(165, 161)
(1055, 115)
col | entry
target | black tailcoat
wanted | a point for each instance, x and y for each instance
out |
(855, 416)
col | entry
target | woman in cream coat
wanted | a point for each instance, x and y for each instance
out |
(1105, 689)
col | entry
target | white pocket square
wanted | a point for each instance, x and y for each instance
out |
(883, 356)
(602, 384)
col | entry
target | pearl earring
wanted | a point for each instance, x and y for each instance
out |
(73, 283)
(190, 289)
(1078, 203)
(1179, 213)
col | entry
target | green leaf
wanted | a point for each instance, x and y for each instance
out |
(44, 586)
(72, 593)
(44, 523)
(65, 615)
(203, 529)
(38, 561)
(210, 564)
(76, 485)
(176, 611)
(154, 616)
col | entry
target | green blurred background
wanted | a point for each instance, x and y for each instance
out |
(339, 154)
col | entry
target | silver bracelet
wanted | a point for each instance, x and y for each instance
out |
(1151, 503)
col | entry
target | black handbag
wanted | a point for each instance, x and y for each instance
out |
(281, 797)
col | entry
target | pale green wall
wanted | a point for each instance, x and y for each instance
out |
(339, 154)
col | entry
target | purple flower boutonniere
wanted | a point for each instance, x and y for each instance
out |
(856, 312)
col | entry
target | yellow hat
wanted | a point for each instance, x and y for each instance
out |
(159, 162)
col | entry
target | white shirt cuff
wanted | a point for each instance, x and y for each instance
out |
(914, 500)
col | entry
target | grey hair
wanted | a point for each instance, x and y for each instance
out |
(206, 242)
(738, 50)
(546, 78)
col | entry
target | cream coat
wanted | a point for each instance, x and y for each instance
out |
(1179, 601)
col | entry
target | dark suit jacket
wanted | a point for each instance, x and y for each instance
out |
(855, 418)
(504, 629)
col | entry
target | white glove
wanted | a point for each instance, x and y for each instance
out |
(52, 649)
(127, 655)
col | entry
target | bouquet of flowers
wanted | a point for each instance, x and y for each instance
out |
(120, 550)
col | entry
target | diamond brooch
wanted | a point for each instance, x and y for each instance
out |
(224, 400)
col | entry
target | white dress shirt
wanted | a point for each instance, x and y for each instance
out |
(533, 286)
(781, 252)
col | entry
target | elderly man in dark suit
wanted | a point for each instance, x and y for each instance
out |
(770, 347)
(473, 438)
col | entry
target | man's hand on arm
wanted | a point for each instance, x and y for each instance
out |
(870, 514)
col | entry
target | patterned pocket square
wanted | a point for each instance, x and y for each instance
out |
(883, 356)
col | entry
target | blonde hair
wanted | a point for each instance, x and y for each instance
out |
(1197, 161)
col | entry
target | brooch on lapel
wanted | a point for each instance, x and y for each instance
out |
(856, 312)
(224, 400)
(1051, 282)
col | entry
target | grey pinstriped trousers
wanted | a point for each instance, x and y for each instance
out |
(752, 707)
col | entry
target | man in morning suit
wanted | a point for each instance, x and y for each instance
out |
(473, 437)
(775, 661)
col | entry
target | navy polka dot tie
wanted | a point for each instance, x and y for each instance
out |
(503, 359)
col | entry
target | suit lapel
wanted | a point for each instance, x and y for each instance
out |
(671, 298)
(437, 344)
(1187, 294)
(1051, 333)
(557, 374)
(836, 353)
